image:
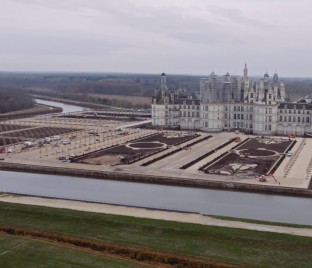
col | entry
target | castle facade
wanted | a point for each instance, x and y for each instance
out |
(232, 103)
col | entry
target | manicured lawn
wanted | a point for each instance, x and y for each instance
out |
(249, 248)
(20, 252)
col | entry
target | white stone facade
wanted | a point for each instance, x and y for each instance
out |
(230, 103)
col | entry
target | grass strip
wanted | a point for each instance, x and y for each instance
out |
(230, 245)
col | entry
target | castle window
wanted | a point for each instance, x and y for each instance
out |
(270, 127)
(234, 116)
(250, 117)
(281, 118)
(308, 119)
(298, 119)
(302, 119)
(242, 116)
(242, 109)
(289, 118)
(289, 111)
(270, 118)
(285, 118)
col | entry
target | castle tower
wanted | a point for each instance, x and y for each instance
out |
(245, 72)
(275, 78)
(245, 85)
(163, 81)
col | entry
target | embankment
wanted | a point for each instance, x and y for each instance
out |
(39, 109)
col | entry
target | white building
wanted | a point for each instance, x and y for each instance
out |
(230, 103)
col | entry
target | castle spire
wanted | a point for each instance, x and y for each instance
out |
(245, 71)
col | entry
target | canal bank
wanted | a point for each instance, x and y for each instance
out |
(162, 180)
(154, 214)
(274, 208)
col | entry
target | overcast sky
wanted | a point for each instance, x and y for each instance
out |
(152, 36)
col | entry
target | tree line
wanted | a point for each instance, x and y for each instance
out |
(14, 100)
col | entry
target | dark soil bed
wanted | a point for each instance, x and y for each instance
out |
(149, 145)
(132, 154)
(9, 127)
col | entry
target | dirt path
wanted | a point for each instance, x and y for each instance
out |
(152, 214)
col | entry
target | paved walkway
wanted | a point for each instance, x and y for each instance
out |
(152, 214)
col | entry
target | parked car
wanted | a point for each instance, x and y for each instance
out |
(65, 142)
(62, 158)
(10, 150)
(1, 158)
(56, 137)
(289, 153)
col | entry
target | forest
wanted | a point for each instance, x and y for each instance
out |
(14, 100)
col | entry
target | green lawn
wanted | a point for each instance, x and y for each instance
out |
(18, 252)
(249, 248)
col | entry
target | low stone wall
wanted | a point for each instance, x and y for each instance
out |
(123, 176)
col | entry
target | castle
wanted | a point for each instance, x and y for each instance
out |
(232, 103)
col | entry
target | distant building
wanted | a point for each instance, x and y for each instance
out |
(229, 103)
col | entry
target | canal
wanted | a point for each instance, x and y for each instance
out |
(205, 201)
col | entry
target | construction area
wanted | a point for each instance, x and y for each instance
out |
(113, 141)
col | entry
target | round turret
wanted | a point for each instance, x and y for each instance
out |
(163, 74)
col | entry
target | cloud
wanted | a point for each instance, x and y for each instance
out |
(189, 36)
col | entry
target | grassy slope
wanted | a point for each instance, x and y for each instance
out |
(250, 248)
(17, 252)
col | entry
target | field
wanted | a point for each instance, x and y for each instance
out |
(33, 133)
(225, 246)
(42, 254)
(135, 100)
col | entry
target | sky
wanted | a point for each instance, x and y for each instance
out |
(149, 36)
